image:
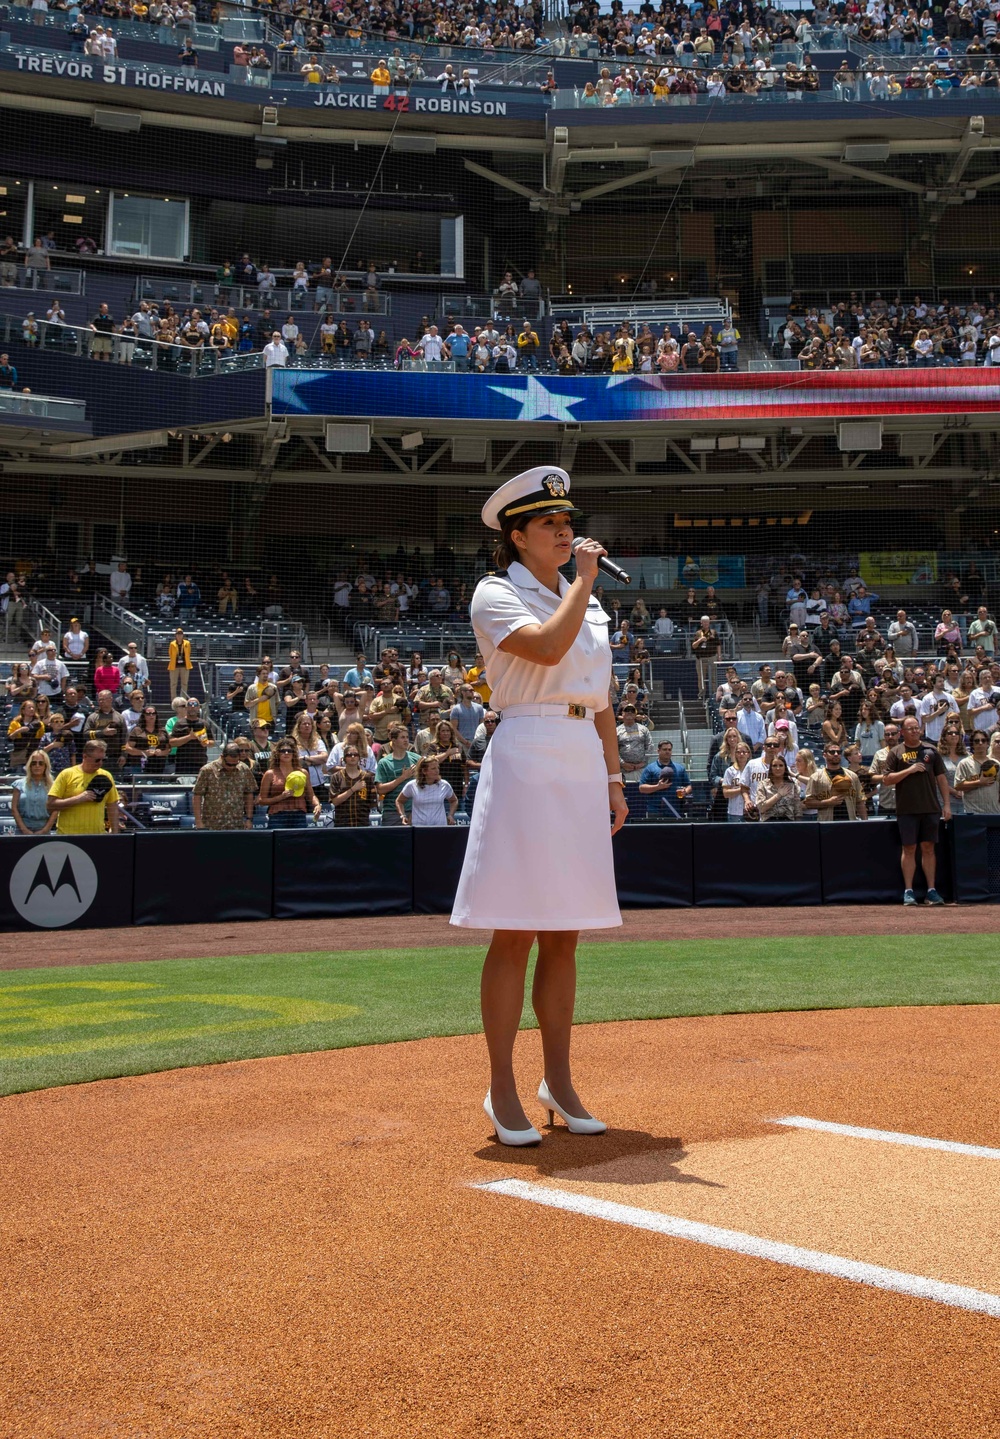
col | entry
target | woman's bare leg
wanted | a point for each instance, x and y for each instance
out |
(553, 996)
(502, 998)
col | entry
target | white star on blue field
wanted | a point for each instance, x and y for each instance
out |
(537, 402)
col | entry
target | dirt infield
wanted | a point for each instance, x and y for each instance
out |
(291, 1247)
(301, 936)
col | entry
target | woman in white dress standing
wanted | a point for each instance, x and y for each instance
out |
(539, 861)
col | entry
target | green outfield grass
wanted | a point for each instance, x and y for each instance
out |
(66, 1026)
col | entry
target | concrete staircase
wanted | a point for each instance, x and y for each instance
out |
(686, 727)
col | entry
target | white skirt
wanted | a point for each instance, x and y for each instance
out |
(539, 852)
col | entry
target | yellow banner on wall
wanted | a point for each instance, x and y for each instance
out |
(899, 567)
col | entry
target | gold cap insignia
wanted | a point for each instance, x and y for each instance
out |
(555, 485)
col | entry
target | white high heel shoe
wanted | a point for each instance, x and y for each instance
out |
(573, 1123)
(517, 1138)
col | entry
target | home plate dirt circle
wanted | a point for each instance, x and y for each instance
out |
(305, 1246)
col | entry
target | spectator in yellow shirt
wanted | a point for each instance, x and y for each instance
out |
(527, 346)
(179, 664)
(476, 677)
(381, 79)
(82, 795)
(25, 731)
(622, 363)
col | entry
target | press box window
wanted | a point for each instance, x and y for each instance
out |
(147, 227)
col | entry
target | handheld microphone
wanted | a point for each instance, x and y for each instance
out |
(606, 566)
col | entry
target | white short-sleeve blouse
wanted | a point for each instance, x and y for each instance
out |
(503, 604)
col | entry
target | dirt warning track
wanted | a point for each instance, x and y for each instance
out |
(297, 1246)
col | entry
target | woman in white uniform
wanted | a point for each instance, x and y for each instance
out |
(539, 861)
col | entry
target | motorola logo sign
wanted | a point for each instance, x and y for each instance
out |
(53, 884)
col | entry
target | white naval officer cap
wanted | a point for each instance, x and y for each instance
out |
(543, 488)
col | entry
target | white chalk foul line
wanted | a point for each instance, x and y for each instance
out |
(888, 1136)
(874, 1275)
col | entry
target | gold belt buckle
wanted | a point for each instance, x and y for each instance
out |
(576, 711)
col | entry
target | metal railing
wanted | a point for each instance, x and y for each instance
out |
(45, 619)
(438, 367)
(903, 57)
(241, 29)
(765, 362)
(685, 737)
(433, 641)
(219, 675)
(290, 299)
(975, 95)
(16, 404)
(496, 306)
(237, 643)
(184, 292)
(29, 277)
(119, 623)
(504, 68)
(691, 312)
(649, 311)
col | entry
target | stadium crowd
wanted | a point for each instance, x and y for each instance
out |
(877, 333)
(694, 32)
(183, 336)
(764, 78)
(402, 741)
(807, 736)
(828, 703)
(873, 332)
(497, 26)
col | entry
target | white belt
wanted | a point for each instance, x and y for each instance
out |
(567, 711)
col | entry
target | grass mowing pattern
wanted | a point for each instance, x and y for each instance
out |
(67, 1026)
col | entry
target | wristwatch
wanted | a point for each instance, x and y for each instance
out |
(616, 778)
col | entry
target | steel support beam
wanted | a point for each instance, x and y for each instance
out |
(869, 176)
(502, 180)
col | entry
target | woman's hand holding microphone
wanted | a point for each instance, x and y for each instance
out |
(587, 552)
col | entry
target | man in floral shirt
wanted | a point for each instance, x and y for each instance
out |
(224, 793)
